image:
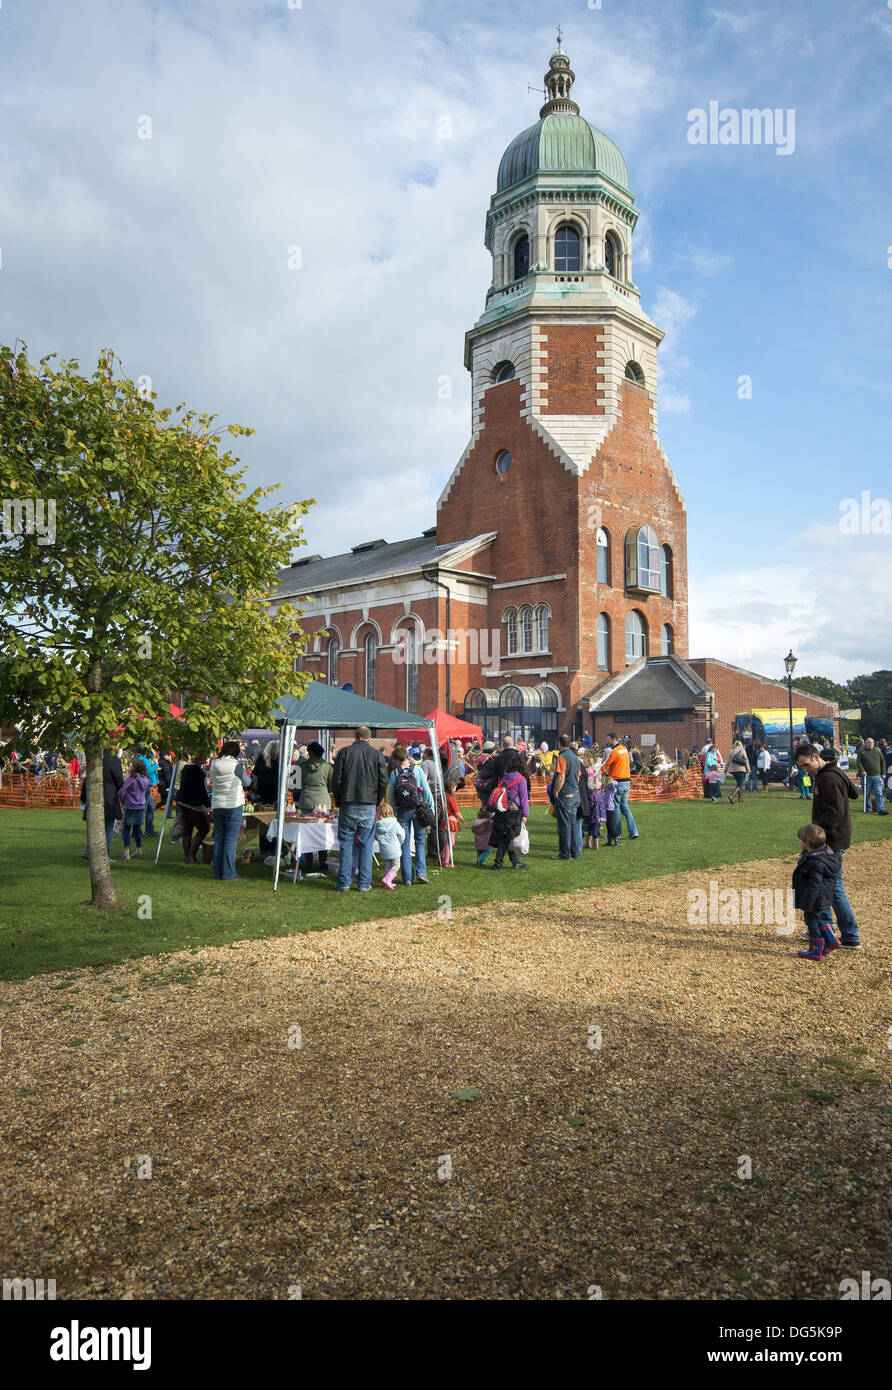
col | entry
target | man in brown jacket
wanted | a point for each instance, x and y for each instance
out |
(832, 792)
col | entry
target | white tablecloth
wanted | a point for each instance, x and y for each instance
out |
(307, 837)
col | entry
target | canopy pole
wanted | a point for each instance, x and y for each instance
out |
(439, 786)
(173, 778)
(286, 743)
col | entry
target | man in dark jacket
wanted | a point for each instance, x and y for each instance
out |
(832, 792)
(112, 782)
(872, 766)
(358, 785)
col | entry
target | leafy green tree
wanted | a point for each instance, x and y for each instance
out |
(873, 695)
(134, 563)
(823, 687)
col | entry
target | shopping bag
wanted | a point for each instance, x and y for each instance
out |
(521, 842)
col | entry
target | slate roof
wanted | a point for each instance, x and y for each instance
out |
(375, 560)
(651, 683)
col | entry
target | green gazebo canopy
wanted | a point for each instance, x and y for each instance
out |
(328, 707)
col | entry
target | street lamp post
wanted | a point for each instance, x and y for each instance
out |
(789, 667)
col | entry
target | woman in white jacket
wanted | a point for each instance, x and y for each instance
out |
(227, 800)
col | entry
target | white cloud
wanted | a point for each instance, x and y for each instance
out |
(828, 612)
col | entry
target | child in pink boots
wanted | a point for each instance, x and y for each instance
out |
(390, 836)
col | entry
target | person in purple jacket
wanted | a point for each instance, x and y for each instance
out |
(132, 797)
(506, 824)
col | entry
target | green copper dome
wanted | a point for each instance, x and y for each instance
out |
(562, 143)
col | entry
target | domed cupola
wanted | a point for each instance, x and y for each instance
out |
(562, 141)
(560, 222)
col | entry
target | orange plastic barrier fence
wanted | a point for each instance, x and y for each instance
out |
(645, 787)
(56, 791)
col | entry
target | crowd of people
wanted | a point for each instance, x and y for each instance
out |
(405, 800)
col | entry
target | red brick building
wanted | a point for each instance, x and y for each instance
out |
(559, 555)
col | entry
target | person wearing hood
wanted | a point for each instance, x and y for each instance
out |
(132, 798)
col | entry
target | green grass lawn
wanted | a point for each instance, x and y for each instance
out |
(46, 922)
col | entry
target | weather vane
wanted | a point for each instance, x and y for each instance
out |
(560, 35)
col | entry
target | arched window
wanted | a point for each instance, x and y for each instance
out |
(521, 257)
(503, 371)
(410, 650)
(666, 571)
(566, 248)
(334, 652)
(371, 666)
(612, 255)
(667, 640)
(636, 637)
(526, 629)
(643, 559)
(543, 614)
(510, 621)
(634, 373)
(603, 642)
(602, 543)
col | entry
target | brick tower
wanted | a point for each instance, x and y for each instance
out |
(565, 461)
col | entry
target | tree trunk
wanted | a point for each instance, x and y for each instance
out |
(100, 868)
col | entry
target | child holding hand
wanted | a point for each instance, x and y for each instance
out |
(814, 881)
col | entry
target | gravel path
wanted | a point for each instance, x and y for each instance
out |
(617, 1066)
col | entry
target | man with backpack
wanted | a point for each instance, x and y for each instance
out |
(358, 784)
(412, 800)
(566, 797)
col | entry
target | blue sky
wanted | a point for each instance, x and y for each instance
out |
(323, 127)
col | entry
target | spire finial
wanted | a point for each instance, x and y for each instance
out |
(559, 82)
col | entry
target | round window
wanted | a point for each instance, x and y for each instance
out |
(503, 461)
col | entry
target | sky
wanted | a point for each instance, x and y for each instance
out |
(294, 240)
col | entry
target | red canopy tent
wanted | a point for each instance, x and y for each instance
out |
(446, 726)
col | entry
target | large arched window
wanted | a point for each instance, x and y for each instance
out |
(371, 666)
(566, 248)
(503, 371)
(334, 653)
(643, 559)
(603, 642)
(634, 373)
(543, 614)
(636, 636)
(602, 545)
(666, 571)
(526, 629)
(521, 257)
(667, 640)
(510, 621)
